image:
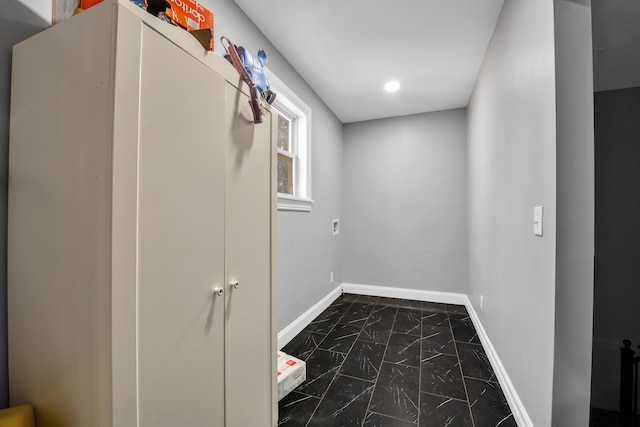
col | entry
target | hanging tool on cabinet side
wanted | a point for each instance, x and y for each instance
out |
(239, 58)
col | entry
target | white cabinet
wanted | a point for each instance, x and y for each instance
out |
(139, 187)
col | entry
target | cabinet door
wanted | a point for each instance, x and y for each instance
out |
(250, 370)
(180, 240)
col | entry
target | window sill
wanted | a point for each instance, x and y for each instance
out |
(287, 202)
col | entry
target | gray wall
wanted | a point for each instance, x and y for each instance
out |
(617, 270)
(17, 23)
(405, 202)
(531, 144)
(575, 214)
(512, 168)
(307, 251)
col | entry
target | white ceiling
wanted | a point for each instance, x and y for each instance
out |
(347, 49)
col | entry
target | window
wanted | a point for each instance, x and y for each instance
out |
(286, 152)
(294, 148)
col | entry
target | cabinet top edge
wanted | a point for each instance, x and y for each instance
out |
(181, 38)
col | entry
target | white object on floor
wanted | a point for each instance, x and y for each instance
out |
(291, 373)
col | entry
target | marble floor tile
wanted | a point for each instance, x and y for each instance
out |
(438, 340)
(488, 404)
(324, 323)
(405, 303)
(376, 331)
(440, 374)
(463, 330)
(322, 366)
(459, 316)
(457, 309)
(341, 338)
(345, 403)
(438, 411)
(474, 362)
(379, 420)
(408, 322)
(364, 360)
(403, 349)
(397, 392)
(383, 312)
(349, 297)
(386, 362)
(357, 315)
(341, 304)
(435, 318)
(303, 344)
(383, 301)
(295, 409)
(338, 307)
(434, 307)
(367, 299)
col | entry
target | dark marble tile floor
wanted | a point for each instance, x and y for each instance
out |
(385, 362)
(606, 418)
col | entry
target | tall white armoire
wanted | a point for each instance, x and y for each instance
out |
(141, 278)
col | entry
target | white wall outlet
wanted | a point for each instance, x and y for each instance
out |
(537, 220)
(336, 227)
(481, 303)
(331, 277)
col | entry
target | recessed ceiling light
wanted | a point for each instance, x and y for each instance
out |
(392, 86)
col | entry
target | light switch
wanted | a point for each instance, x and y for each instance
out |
(537, 220)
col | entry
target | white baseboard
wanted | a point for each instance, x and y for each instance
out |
(518, 409)
(519, 412)
(413, 294)
(295, 327)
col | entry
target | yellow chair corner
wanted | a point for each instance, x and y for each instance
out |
(18, 416)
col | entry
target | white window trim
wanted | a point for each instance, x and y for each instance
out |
(301, 201)
(287, 202)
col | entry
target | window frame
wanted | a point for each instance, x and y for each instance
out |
(291, 152)
(299, 113)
